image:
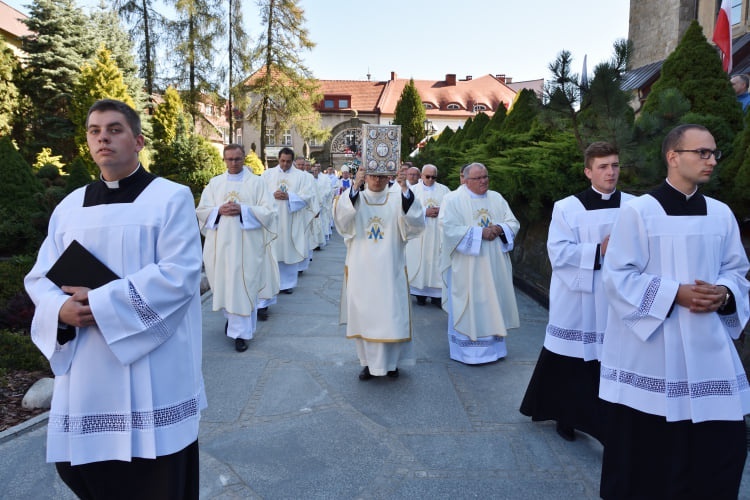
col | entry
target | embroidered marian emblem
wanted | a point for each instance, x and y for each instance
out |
(283, 187)
(431, 203)
(233, 196)
(483, 216)
(375, 232)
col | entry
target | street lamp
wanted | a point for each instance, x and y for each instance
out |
(429, 128)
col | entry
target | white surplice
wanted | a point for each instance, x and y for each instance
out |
(658, 357)
(375, 293)
(578, 303)
(131, 386)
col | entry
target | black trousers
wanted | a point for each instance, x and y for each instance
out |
(169, 477)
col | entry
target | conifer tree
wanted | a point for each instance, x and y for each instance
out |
(78, 174)
(59, 45)
(694, 68)
(239, 61)
(8, 90)
(411, 116)
(19, 195)
(523, 114)
(146, 25)
(196, 34)
(166, 117)
(107, 29)
(99, 79)
(283, 93)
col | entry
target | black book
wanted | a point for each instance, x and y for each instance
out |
(76, 266)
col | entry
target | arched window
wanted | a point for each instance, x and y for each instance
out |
(479, 107)
(427, 105)
(453, 107)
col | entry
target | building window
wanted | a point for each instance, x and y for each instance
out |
(427, 105)
(270, 136)
(479, 107)
(313, 142)
(343, 103)
(736, 12)
(328, 104)
(453, 107)
(238, 136)
(286, 139)
(209, 109)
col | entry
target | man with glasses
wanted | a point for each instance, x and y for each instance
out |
(674, 388)
(235, 213)
(423, 253)
(565, 383)
(478, 231)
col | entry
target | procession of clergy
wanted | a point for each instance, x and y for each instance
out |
(261, 232)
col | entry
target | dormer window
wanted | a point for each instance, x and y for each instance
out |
(427, 105)
(336, 102)
(479, 107)
(453, 107)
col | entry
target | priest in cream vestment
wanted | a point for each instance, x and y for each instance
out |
(423, 253)
(478, 232)
(376, 223)
(295, 196)
(235, 211)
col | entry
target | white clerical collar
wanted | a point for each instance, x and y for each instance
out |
(236, 177)
(687, 196)
(428, 188)
(475, 195)
(116, 184)
(604, 196)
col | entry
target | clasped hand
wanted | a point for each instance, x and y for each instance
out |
(701, 297)
(76, 310)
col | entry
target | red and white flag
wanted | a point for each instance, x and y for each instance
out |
(723, 34)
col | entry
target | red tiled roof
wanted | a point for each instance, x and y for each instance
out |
(364, 94)
(10, 21)
(486, 90)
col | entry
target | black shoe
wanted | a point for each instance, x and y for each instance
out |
(436, 301)
(262, 314)
(393, 373)
(316, 249)
(288, 291)
(240, 345)
(226, 327)
(365, 374)
(565, 432)
(421, 300)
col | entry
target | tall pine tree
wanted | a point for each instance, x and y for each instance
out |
(195, 33)
(283, 93)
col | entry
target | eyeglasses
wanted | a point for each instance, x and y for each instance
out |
(234, 159)
(704, 153)
(430, 176)
(482, 178)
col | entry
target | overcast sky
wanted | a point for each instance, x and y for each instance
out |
(425, 39)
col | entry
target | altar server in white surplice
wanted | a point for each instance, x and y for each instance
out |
(376, 223)
(478, 230)
(565, 384)
(675, 388)
(234, 211)
(296, 199)
(423, 253)
(127, 354)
